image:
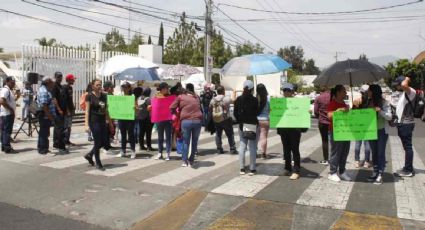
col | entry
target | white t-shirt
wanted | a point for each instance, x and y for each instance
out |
(403, 110)
(7, 94)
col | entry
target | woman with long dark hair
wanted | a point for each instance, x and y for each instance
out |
(189, 105)
(383, 111)
(245, 112)
(263, 119)
(339, 149)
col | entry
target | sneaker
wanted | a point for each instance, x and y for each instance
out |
(403, 173)
(264, 156)
(184, 164)
(334, 177)
(357, 164)
(378, 180)
(242, 172)
(345, 177)
(100, 168)
(294, 176)
(143, 148)
(151, 149)
(234, 151)
(89, 159)
(63, 151)
(220, 151)
(106, 152)
(252, 172)
(10, 151)
(324, 162)
(287, 173)
(167, 158)
(121, 154)
(367, 164)
(159, 156)
(373, 177)
(133, 154)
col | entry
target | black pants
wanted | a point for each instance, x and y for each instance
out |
(127, 129)
(145, 127)
(324, 133)
(59, 132)
(291, 144)
(98, 130)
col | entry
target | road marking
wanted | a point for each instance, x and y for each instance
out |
(66, 163)
(125, 167)
(21, 158)
(329, 194)
(249, 186)
(410, 191)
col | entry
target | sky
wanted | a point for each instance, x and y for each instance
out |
(374, 33)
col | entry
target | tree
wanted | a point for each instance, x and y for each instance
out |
(406, 68)
(363, 57)
(161, 36)
(293, 55)
(219, 51)
(248, 48)
(114, 41)
(310, 68)
(181, 46)
(149, 40)
(46, 42)
(1, 50)
(137, 40)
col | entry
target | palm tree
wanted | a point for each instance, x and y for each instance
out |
(44, 42)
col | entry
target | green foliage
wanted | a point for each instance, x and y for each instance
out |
(114, 41)
(404, 67)
(46, 42)
(363, 57)
(137, 40)
(310, 68)
(161, 36)
(1, 50)
(294, 55)
(248, 48)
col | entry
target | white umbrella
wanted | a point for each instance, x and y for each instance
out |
(119, 63)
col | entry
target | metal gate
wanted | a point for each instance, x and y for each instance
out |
(46, 60)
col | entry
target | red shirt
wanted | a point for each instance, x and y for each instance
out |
(333, 106)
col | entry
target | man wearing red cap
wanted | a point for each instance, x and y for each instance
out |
(70, 107)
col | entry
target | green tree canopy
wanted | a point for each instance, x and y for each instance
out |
(248, 48)
(161, 36)
(406, 68)
(310, 68)
(114, 41)
(294, 55)
(46, 42)
(137, 40)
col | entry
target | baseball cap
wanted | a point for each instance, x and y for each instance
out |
(162, 85)
(248, 84)
(70, 77)
(58, 74)
(288, 86)
(398, 81)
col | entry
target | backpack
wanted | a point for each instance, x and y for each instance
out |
(417, 105)
(218, 113)
(206, 98)
(83, 101)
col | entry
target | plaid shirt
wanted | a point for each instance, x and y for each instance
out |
(44, 97)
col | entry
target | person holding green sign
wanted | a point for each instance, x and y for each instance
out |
(384, 114)
(291, 138)
(339, 149)
(127, 126)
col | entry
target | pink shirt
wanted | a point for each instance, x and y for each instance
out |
(189, 105)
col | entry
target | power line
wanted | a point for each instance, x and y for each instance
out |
(232, 34)
(322, 13)
(85, 18)
(258, 39)
(52, 22)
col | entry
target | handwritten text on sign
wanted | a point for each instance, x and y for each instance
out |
(290, 112)
(121, 107)
(355, 125)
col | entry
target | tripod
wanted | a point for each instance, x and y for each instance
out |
(31, 120)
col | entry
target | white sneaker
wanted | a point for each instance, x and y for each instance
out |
(121, 154)
(345, 177)
(184, 164)
(159, 156)
(106, 152)
(167, 158)
(334, 177)
(133, 154)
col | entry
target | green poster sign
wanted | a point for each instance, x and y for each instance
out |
(355, 125)
(290, 112)
(121, 107)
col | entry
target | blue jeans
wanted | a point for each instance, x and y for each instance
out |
(6, 129)
(252, 146)
(164, 127)
(339, 154)
(191, 130)
(127, 128)
(405, 132)
(378, 151)
(43, 134)
(227, 127)
(366, 150)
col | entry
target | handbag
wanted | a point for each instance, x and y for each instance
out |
(249, 131)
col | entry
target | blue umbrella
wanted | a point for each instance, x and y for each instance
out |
(255, 64)
(138, 74)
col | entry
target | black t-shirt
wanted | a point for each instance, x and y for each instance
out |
(59, 94)
(97, 107)
(68, 91)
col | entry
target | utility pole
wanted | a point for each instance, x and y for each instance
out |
(208, 31)
(336, 55)
(129, 24)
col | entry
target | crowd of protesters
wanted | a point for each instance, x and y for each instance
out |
(187, 113)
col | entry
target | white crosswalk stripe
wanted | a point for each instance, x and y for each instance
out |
(329, 194)
(410, 192)
(249, 186)
(71, 162)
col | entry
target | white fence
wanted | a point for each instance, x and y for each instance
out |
(46, 60)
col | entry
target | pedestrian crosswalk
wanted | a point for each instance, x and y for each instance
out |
(320, 192)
